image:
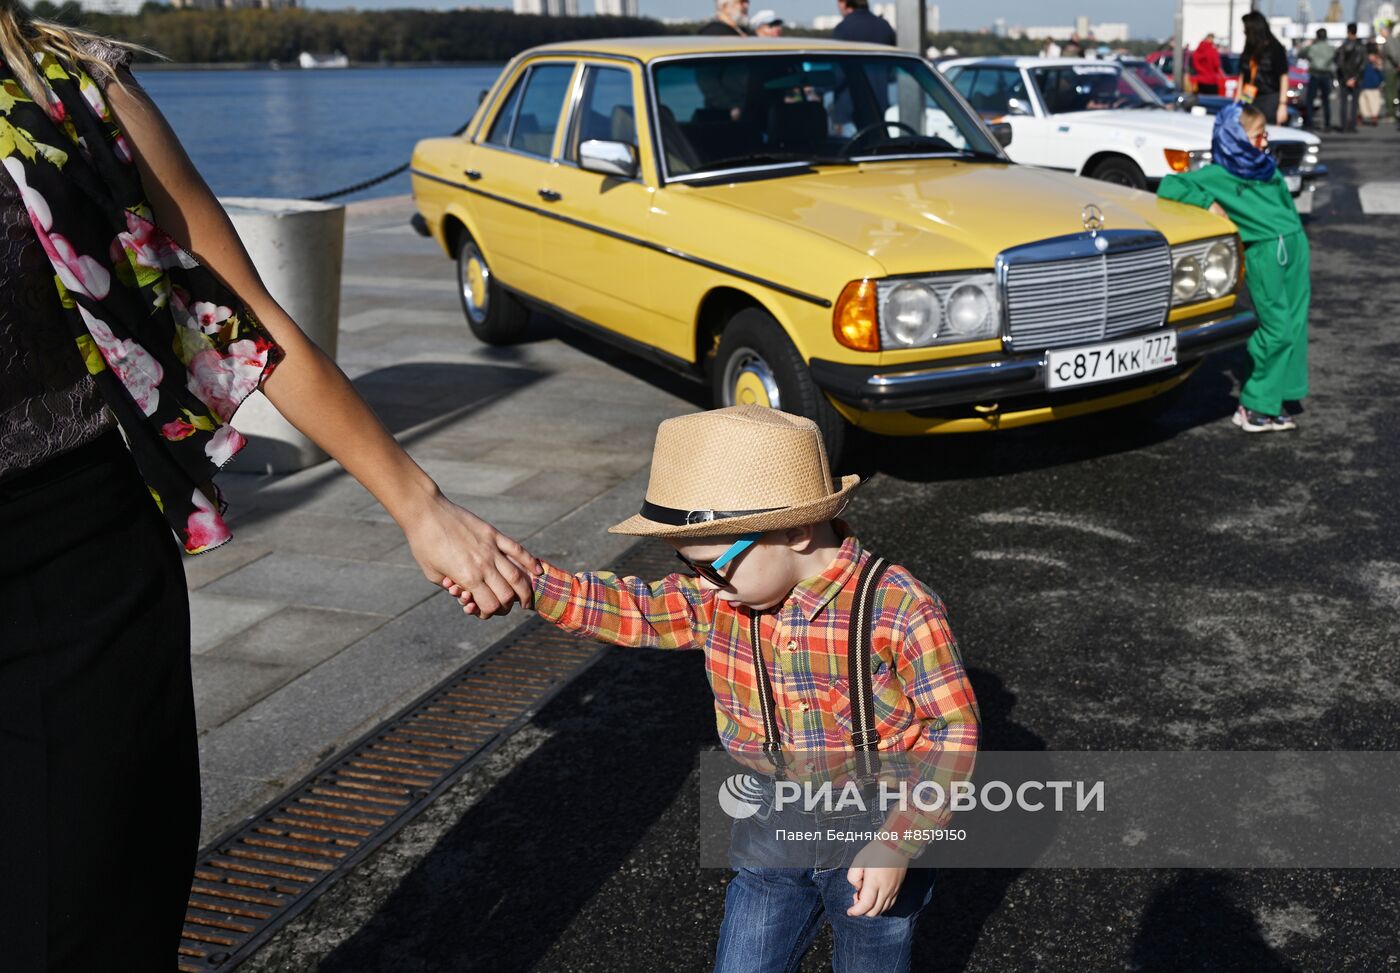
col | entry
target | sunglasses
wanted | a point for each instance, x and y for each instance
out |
(710, 570)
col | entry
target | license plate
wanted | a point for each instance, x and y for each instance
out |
(1294, 183)
(1109, 361)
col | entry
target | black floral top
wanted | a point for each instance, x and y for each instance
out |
(49, 403)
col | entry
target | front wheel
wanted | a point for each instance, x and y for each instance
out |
(757, 364)
(494, 314)
(1120, 172)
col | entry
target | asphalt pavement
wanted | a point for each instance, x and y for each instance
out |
(1175, 585)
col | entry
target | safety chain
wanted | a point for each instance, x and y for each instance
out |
(377, 179)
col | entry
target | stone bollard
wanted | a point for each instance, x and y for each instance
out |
(297, 247)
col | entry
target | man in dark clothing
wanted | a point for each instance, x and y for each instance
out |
(859, 24)
(731, 19)
(1349, 64)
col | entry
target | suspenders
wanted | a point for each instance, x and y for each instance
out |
(859, 640)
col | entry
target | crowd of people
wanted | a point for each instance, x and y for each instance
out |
(1360, 77)
(858, 22)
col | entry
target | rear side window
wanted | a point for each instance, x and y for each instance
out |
(500, 128)
(540, 105)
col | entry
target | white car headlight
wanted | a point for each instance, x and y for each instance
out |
(1186, 279)
(912, 314)
(1204, 270)
(1221, 267)
(938, 309)
(969, 310)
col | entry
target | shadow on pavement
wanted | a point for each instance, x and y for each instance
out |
(500, 889)
(1196, 923)
(422, 396)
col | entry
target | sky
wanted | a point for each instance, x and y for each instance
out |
(1146, 18)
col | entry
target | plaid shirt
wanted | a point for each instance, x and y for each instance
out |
(923, 701)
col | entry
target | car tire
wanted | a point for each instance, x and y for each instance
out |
(756, 362)
(1120, 172)
(495, 315)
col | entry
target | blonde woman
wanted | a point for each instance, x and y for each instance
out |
(122, 360)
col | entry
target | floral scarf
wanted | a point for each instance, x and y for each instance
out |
(172, 349)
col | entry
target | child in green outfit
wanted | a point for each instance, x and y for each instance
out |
(1244, 184)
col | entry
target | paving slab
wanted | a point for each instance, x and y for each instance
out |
(328, 582)
(214, 618)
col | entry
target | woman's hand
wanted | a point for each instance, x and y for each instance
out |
(459, 551)
(1281, 116)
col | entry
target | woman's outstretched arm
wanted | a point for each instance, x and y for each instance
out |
(309, 389)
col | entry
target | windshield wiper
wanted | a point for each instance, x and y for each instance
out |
(775, 158)
(979, 156)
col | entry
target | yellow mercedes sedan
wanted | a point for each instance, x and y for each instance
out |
(821, 227)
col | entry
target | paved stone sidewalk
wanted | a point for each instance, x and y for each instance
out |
(315, 624)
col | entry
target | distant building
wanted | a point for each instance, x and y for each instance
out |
(615, 8)
(217, 4)
(1103, 33)
(934, 18)
(548, 8)
(112, 6)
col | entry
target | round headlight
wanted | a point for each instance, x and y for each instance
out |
(912, 314)
(1186, 279)
(1220, 269)
(969, 310)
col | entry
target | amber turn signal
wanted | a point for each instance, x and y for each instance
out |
(855, 319)
(1178, 160)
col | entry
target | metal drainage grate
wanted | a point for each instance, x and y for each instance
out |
(256, 878)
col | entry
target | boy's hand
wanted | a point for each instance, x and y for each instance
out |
(877, 874)
(464, 597)
(1219, 210)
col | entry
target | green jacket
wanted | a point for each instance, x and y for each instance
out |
(1261, 210)
(1320, 55)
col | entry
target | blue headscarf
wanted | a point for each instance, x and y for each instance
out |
(1230, 146)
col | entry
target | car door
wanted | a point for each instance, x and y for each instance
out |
(508, 167)
(595, 227)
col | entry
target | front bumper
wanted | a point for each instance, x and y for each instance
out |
(995, 378)
(1311, 180)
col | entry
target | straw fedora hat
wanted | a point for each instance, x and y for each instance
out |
(737, 470)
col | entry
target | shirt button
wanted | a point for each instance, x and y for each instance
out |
(802, 706)
(792, 646)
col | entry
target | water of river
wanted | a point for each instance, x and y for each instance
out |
(298, 133)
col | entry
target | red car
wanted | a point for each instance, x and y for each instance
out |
(1230, 68)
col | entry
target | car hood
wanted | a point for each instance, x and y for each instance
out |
(1173, 129)
(932, 215)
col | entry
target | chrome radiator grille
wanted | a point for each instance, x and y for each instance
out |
(1082, 299)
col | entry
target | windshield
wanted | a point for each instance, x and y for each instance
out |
(1160, 84)
(1091, 87)
(720, 113)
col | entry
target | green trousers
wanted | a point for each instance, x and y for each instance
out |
(1277, 272)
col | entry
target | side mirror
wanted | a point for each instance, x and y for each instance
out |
(1001, 131)
(608, 158)
(1017, 106)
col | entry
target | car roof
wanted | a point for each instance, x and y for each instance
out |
(651, 48)
(1031, 61)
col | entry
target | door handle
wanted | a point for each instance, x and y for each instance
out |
(473, 174)
(551, 195)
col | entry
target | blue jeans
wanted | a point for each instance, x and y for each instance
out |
(772, 915)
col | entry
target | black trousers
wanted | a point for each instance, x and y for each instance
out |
(99, 819)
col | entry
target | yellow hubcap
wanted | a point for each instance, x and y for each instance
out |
(477, 282)
(749, 390)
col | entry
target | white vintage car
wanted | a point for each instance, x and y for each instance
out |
(1098, 120)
